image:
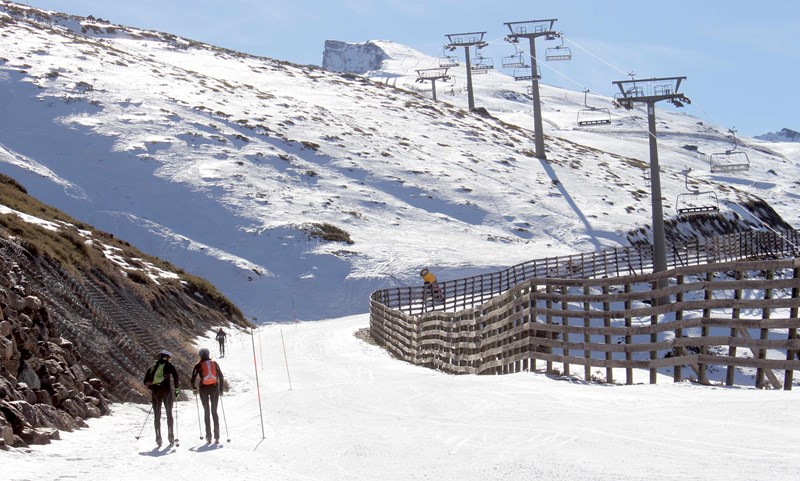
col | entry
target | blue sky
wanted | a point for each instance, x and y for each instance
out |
(741, 58)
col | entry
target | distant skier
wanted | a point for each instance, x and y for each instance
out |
(157, 379)
(221, 340)
(211, 382)
(431, 285)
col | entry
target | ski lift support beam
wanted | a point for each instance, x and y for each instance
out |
(533, 29)
(466, 40)
(650, 91)
(432, 75)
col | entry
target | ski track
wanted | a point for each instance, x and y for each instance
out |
(355, 413)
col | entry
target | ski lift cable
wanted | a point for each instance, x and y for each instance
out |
(595, 56)
(788, 241)
(538, 62)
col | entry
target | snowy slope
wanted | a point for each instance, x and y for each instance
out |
(221, 162)
(355, 413)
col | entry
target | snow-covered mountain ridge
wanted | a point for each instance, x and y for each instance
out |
(784, 135)
(225, 163)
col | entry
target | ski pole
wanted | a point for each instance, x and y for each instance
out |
(145, 421)
(224, 419)
(177, 438)
(286, 360)
(197, 403)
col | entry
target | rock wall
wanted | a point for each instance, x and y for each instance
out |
(44, 386)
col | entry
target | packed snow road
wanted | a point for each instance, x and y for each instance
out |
(355, 413)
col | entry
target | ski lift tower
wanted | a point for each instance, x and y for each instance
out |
(432, 75)
(466, 40)
(649, 92)
(533, 29)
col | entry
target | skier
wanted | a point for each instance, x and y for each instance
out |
(211, 382)
(431, 285)
(221, 339)
(157, 379)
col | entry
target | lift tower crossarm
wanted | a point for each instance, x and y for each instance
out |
(532, 29)
(432, 75)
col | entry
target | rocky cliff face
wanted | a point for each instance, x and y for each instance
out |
(358, 58)
(69, 345)
(82, 316)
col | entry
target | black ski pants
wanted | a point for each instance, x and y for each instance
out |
(209, 396)
(159, 396)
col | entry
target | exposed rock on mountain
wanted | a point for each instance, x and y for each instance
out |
(785, 135)
(358, 58)
(82, 316)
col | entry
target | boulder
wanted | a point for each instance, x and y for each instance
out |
(75, 407)
(14, 417)
(31, 303)
(43, 397)
(6, 348)
(49, 417)
(6, 432)
(5, 328)
(34, 436)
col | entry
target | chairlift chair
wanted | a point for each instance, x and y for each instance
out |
(558, 53)
(592, 115)
(514, 61)
(524, 73)
(731, 160)
(448, 61)
(482, 64)
(694, 201)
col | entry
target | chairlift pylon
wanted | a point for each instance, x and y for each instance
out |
(559, 52)
(592, 115)
(695, 201)
(731, 160)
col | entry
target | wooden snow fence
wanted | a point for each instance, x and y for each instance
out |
(729, 317)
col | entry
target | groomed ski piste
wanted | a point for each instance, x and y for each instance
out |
(347, 410)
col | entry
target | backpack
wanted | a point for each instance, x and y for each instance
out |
(158, 373)
(208, 372)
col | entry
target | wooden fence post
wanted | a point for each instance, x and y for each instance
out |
(549, 320)
(565, 322)
(762, 352)
(788, 376)
(707, 295)
(677, 374)
(607, 325)
(628, 337)
(737, 294)
(587, 339)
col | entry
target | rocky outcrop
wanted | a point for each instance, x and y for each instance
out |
(357, 58)
(44, 386)
(73, 341)
(785, 135)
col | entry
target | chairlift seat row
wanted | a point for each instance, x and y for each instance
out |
(557, 53)
(592, 115)
(706, 201)
(705, 209)
(731, 160)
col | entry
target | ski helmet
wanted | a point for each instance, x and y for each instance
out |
(204, 354)
(164, 353)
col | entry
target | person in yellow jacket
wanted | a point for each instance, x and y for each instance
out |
(157, 380)
(210, 380)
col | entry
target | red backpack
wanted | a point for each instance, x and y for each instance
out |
(208, 371)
